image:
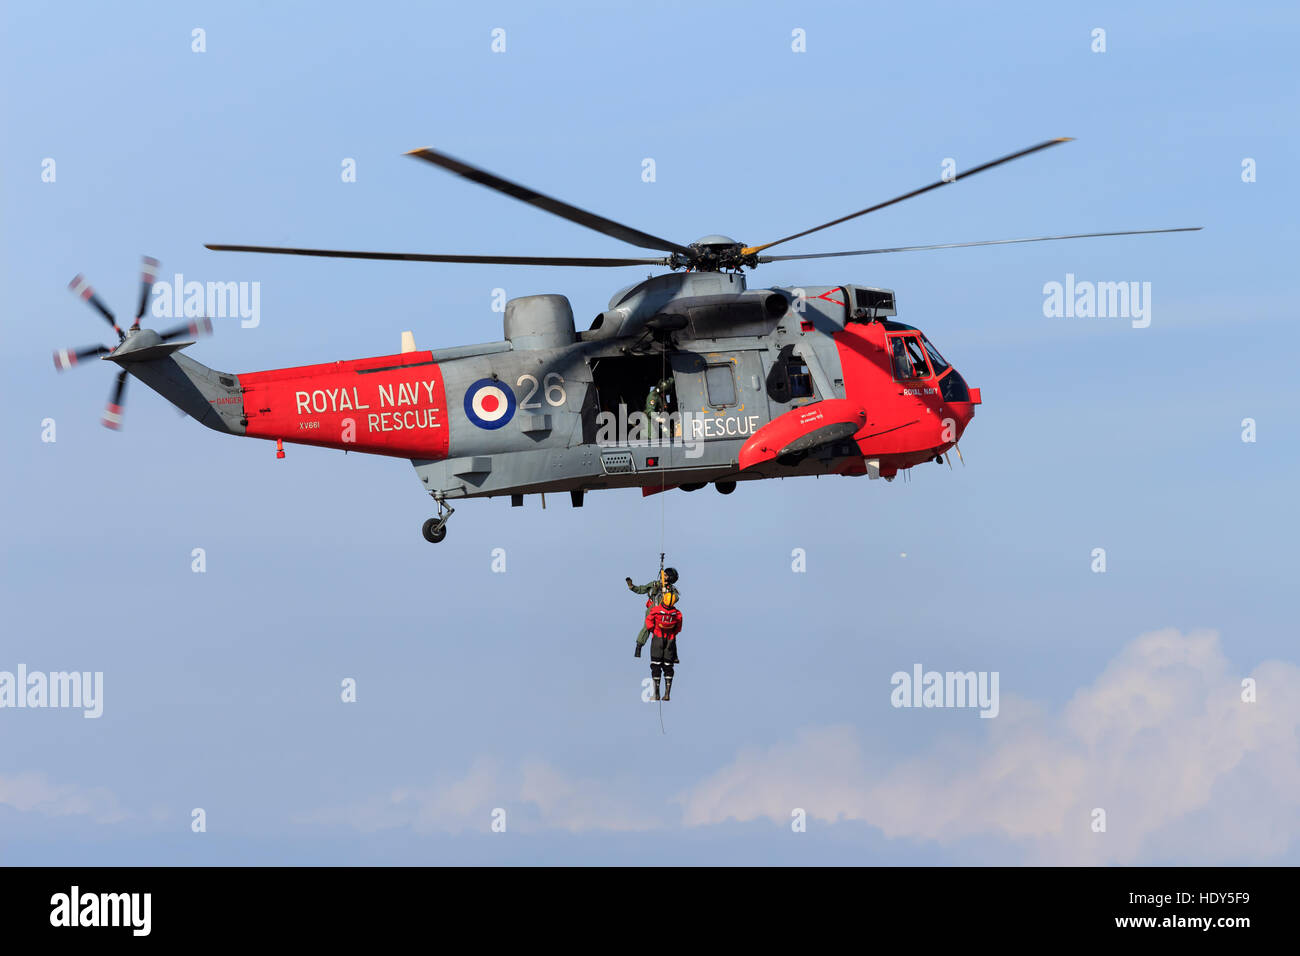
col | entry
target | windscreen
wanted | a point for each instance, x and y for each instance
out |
(936, 360)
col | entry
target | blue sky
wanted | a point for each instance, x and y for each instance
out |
(479, 690)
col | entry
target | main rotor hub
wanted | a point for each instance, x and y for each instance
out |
(713, 253)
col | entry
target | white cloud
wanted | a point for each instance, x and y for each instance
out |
(1161, 740)
(459, 805)
(574, 804)
(30, 792)
(535, 795)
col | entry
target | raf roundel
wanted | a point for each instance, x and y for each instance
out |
(489, 403)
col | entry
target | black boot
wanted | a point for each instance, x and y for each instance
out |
(668, 687)
(656, 688)
(638, 651)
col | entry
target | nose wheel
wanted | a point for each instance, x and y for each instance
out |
(435, 529)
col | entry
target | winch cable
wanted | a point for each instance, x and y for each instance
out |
(663, 465)
(663, 496)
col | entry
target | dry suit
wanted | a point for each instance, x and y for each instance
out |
(665, 623)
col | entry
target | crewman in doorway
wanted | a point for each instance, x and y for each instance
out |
(665, 622)
(656, 408)
(666, 580)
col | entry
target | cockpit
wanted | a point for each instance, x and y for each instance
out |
(909, 351)
(914, 358)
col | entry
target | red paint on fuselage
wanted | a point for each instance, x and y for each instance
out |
(806, 422)
(908, 422)
(387, 405)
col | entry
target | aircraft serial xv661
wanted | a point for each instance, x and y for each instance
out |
(686, 379)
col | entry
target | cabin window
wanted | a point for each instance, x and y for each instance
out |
(801, 385)
(790, 377)
(720, 381)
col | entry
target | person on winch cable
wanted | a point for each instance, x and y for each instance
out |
(652, 589)
(665, 623)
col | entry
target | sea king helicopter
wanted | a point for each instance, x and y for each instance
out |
(687, 379)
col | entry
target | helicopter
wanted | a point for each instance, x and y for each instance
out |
(686, 379)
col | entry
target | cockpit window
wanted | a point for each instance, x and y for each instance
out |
(936, 360)
(909, 360)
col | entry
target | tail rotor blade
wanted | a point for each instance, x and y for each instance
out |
(64, 359)
(113, 410)
(196, 328)
(148, 275)
(82, 288)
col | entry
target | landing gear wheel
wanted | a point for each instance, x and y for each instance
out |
(725, 487)
(692, 486)
(435, 529)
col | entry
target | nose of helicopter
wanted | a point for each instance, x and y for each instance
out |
(959, 401)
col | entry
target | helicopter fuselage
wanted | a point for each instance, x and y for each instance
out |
(754, 384)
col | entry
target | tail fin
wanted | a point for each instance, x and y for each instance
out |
(213, 398)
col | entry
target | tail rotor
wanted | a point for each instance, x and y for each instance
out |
(64, 359)
(83, 289)
(128, 343)
(148, 275)
(196, 328)
(113, 410)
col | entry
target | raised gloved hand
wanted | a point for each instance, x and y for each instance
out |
(629, 583)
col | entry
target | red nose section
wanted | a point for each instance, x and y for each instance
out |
(801, 429)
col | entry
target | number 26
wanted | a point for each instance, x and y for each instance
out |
(555, 394)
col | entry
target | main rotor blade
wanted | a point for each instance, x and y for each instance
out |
(422, 257)
(572, 213)
(986, 242)
(80, 287)
(915, 192)
(148, 274)
(113, 411)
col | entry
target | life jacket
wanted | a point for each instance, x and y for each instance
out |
(652, 599)
(665, 622)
